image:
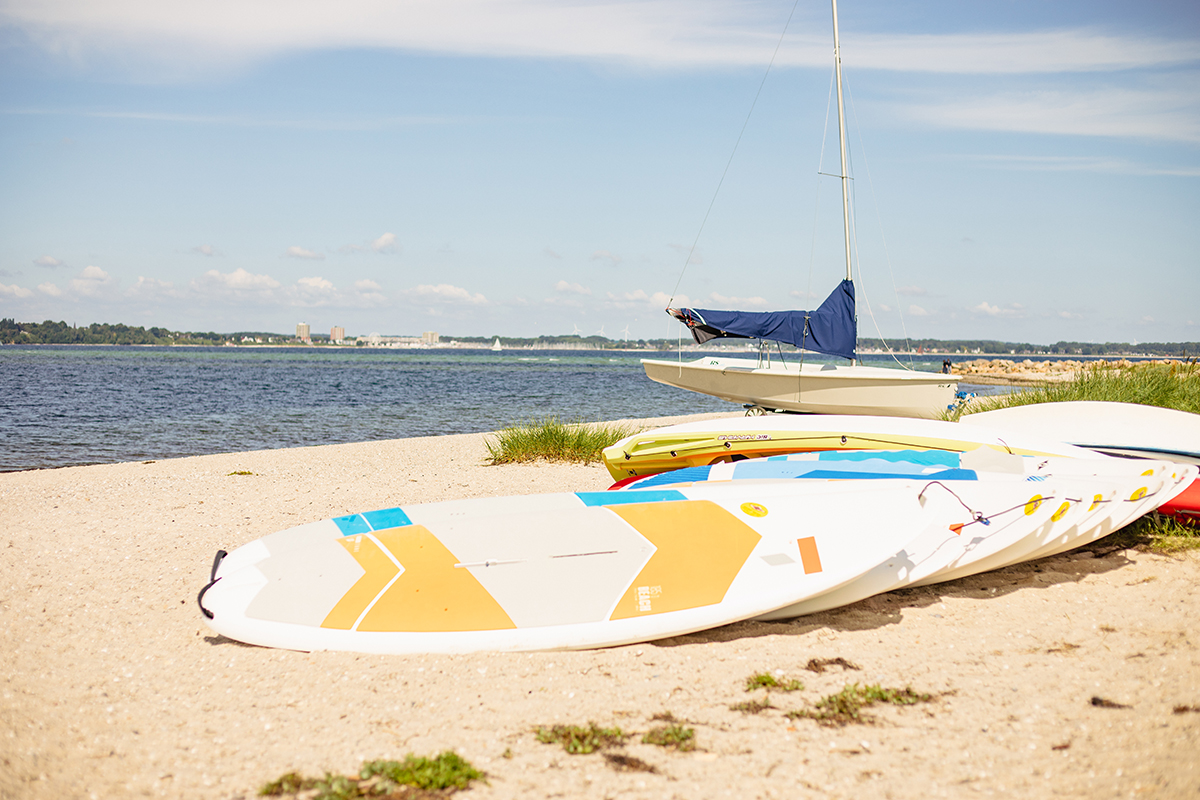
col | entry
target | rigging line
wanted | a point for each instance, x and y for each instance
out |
(729, 163)
(887, 257)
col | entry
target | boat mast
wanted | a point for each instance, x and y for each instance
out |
(837, 64)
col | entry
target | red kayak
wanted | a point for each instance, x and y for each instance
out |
(1185, 507)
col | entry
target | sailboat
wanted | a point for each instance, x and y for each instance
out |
(496, 346)
(764, 384)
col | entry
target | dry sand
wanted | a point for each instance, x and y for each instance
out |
(112, 686)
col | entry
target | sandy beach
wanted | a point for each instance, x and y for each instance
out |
(112, 687)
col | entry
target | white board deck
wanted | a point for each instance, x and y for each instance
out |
(556, 571)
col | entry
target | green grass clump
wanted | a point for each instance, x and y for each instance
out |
(752, 706)
(446, 773)
(676, 736)
(1166, 385)
(1154, 533)
(578, 740)
(240, 472)
(846, 706)
(553, 440)
(765, 680)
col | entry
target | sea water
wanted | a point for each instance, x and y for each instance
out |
(71, 405)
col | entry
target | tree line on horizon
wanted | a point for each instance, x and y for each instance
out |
(50, 332)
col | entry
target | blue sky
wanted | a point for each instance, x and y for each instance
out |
(1023, 171)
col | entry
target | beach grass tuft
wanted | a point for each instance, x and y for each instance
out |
(675, 736)
(1165, 385)
(845, 707)
(579, 740)
(765, 680)
(752, 706)
(443, 774)
(1153, 533)
(551, 439)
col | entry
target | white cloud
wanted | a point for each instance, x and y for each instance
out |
(668, 33)
(917, 311)
(47, 261)
(552, 254)
(1103, 164)
(238, 282)
(1168, 113)
(1014, 310)
(385, 244)
(49, 289)
(367, 285)
(153, 288)
(885, 308)
(299, 252)
(571, 288)
(912, 291)
(92, 282)
(1070, 315)
(739, 302)
(802, 296)
(443, 294)
(206, 250)
(604, 255)
(316, 285)
(14, 291)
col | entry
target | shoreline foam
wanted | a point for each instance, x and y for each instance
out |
(113, 687)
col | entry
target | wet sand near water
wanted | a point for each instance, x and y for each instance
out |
(111, 686)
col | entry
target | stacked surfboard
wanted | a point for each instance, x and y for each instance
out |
(712, 523)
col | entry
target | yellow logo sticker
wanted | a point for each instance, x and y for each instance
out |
(1096, 501)
(1034, 504)
(754, 509)
(1148, 472)
(1062, 510)
(1139, 494)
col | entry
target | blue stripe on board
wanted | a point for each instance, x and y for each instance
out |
(928, 457)
(352, 524)
(631, 496)
(846, 475)
(387, 518)
(372, 521)
(685, 475)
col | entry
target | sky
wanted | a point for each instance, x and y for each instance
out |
(1022, 171)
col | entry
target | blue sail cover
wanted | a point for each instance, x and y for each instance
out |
(831, 329)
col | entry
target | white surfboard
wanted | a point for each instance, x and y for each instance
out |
(556, 571)
(1117, 428)
(1077, 500)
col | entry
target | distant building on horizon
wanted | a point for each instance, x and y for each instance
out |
(303, 333)
(338, 334)
(430, 337)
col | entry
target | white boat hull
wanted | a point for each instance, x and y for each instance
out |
(811, 388)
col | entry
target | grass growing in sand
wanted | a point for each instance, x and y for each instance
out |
(674, 736)
(752, 706)
(1155, 533)
(846, 706)
(445, 774)
(1166, 385)
(553, 440)
(765, 680)
(578, 740)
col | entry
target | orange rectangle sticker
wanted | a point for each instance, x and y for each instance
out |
(808, 555)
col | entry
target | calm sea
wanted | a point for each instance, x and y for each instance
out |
(71, 405)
